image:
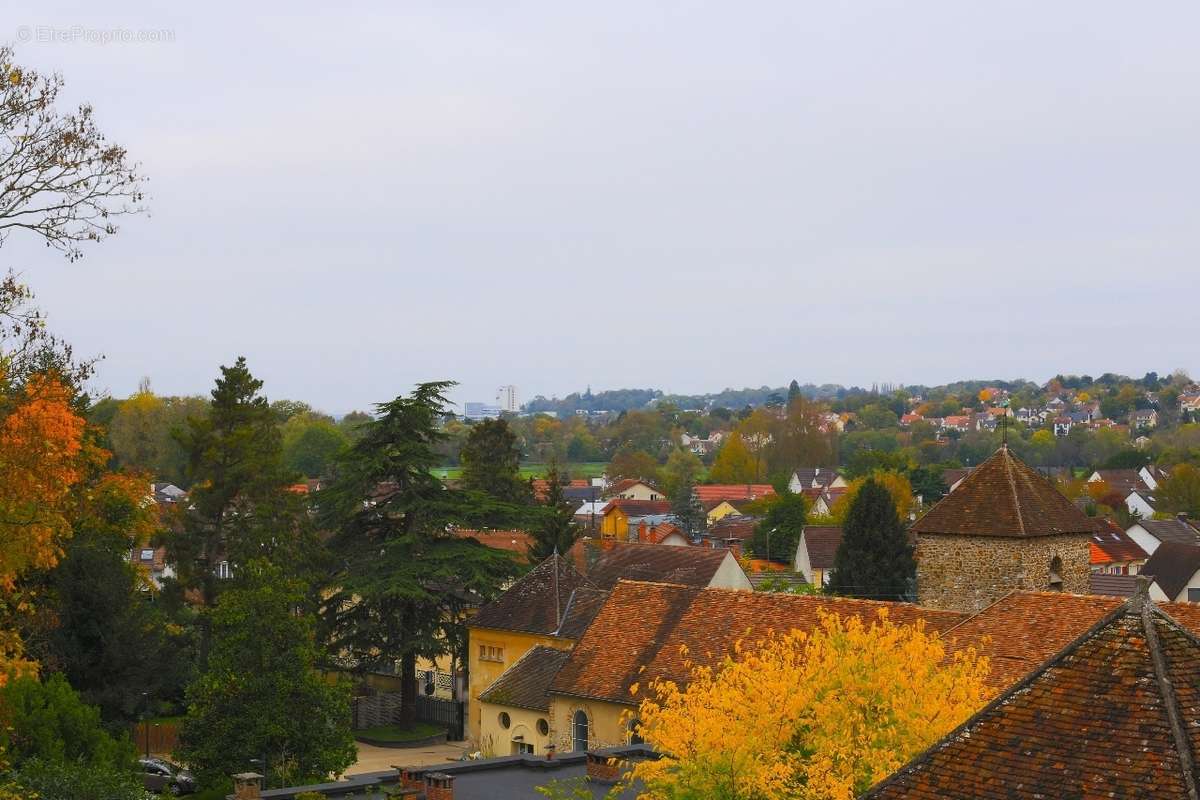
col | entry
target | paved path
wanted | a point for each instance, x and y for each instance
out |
(374, 759)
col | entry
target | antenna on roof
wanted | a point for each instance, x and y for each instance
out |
(1004, 424)
(557, 617)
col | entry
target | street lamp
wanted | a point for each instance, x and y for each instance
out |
(146, 721)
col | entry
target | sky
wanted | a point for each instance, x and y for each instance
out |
(364, 195)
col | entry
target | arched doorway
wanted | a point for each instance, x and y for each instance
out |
(579, 731)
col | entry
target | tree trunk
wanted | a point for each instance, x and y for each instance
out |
(408, 690)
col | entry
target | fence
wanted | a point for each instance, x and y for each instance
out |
(375, 711)
(156, 738)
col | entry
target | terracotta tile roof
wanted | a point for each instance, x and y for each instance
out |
(1110, 543)
(604, 562)
(1114, 714)
(1004, 496)
(529, 604)
(525, 683)
(953, 476)
(822, 542)
(1023, 629)
(513, 541)
(1123, 480)
(639, 508)
(733, 491)
(1171, 530)
(1172, 566)
(647, 624)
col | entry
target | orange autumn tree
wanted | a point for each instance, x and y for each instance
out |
(42, 457)
(818, 716)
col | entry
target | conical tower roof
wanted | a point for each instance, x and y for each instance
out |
(1004, 496)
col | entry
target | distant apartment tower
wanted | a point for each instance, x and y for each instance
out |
(506, 399)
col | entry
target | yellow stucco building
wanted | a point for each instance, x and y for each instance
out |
(519, 643)
(618, 515)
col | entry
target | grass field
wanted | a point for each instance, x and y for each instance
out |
(589, 469)
(394, 733)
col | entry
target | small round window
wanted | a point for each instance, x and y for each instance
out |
(505, 720)
(543, 727)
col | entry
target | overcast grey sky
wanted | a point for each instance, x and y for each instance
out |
(360, 196)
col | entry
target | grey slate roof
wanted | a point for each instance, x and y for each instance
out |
(1112, 585)
(1172, 566)
(822, 542)
(524, 684)
(530, 605)
(1171, 530)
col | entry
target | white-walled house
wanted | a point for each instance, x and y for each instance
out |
(816, 478)
(1150, 533)
(1141, 503)
(1175, 569)
(815, 552)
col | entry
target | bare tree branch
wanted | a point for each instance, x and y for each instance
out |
(59, 178)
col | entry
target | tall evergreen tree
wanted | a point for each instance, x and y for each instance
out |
(555, 527)
(793, 391)
(491, 463)
(686, 508)
(240, 506)
(407, 583)
(874, 560)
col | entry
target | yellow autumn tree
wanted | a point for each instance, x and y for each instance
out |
(816, 716)
(734, 462)
(897, 485)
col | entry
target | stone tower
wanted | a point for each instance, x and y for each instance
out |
(1004, 528)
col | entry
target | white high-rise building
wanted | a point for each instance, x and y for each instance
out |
(506, 398)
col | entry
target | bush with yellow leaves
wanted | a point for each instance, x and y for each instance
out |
(818, 716)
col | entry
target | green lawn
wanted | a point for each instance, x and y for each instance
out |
(590, 469)
(394, 733)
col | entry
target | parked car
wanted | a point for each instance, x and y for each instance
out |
(159, 775)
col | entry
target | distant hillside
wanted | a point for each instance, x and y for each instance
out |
(618, 400)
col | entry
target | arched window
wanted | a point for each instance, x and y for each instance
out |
(579, 732)
(1056, 581)
(635, 732)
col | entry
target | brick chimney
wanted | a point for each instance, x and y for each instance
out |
(439, 786)
(603, 769)
(412, 778)
(247, 786)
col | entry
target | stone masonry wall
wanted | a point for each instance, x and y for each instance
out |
(967, 573)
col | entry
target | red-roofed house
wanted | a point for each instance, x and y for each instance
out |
(733, 491)
(1114, 552)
